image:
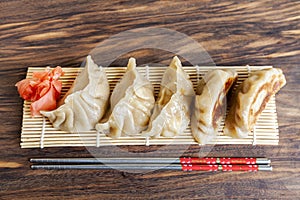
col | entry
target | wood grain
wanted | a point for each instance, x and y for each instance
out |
(63, 32)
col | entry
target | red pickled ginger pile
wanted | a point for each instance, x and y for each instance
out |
(43, 89)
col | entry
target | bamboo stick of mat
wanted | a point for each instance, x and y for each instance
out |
(149, 160)
(183, 167)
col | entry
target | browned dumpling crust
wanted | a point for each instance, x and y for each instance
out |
(209, 104)
(250, 99)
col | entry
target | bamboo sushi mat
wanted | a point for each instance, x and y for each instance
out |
(38, 132)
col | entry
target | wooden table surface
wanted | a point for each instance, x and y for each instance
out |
(63, 32)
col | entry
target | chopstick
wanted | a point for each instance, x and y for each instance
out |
(182, 160)
(146, 163)
(183, 167)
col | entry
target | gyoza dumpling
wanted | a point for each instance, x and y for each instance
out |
(209, 104)
(79, 83)
(84, 108)
(171, 114)
(250, 100)
(132, 101)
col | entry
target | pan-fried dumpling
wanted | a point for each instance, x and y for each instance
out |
(132, 101)
(84, 108)
(209, 104)
(250, 100)
(171, 114)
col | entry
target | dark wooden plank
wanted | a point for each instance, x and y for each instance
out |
(63, 32)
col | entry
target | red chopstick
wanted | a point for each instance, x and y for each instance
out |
(144, 163)
(141, 167)
(182, 160)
